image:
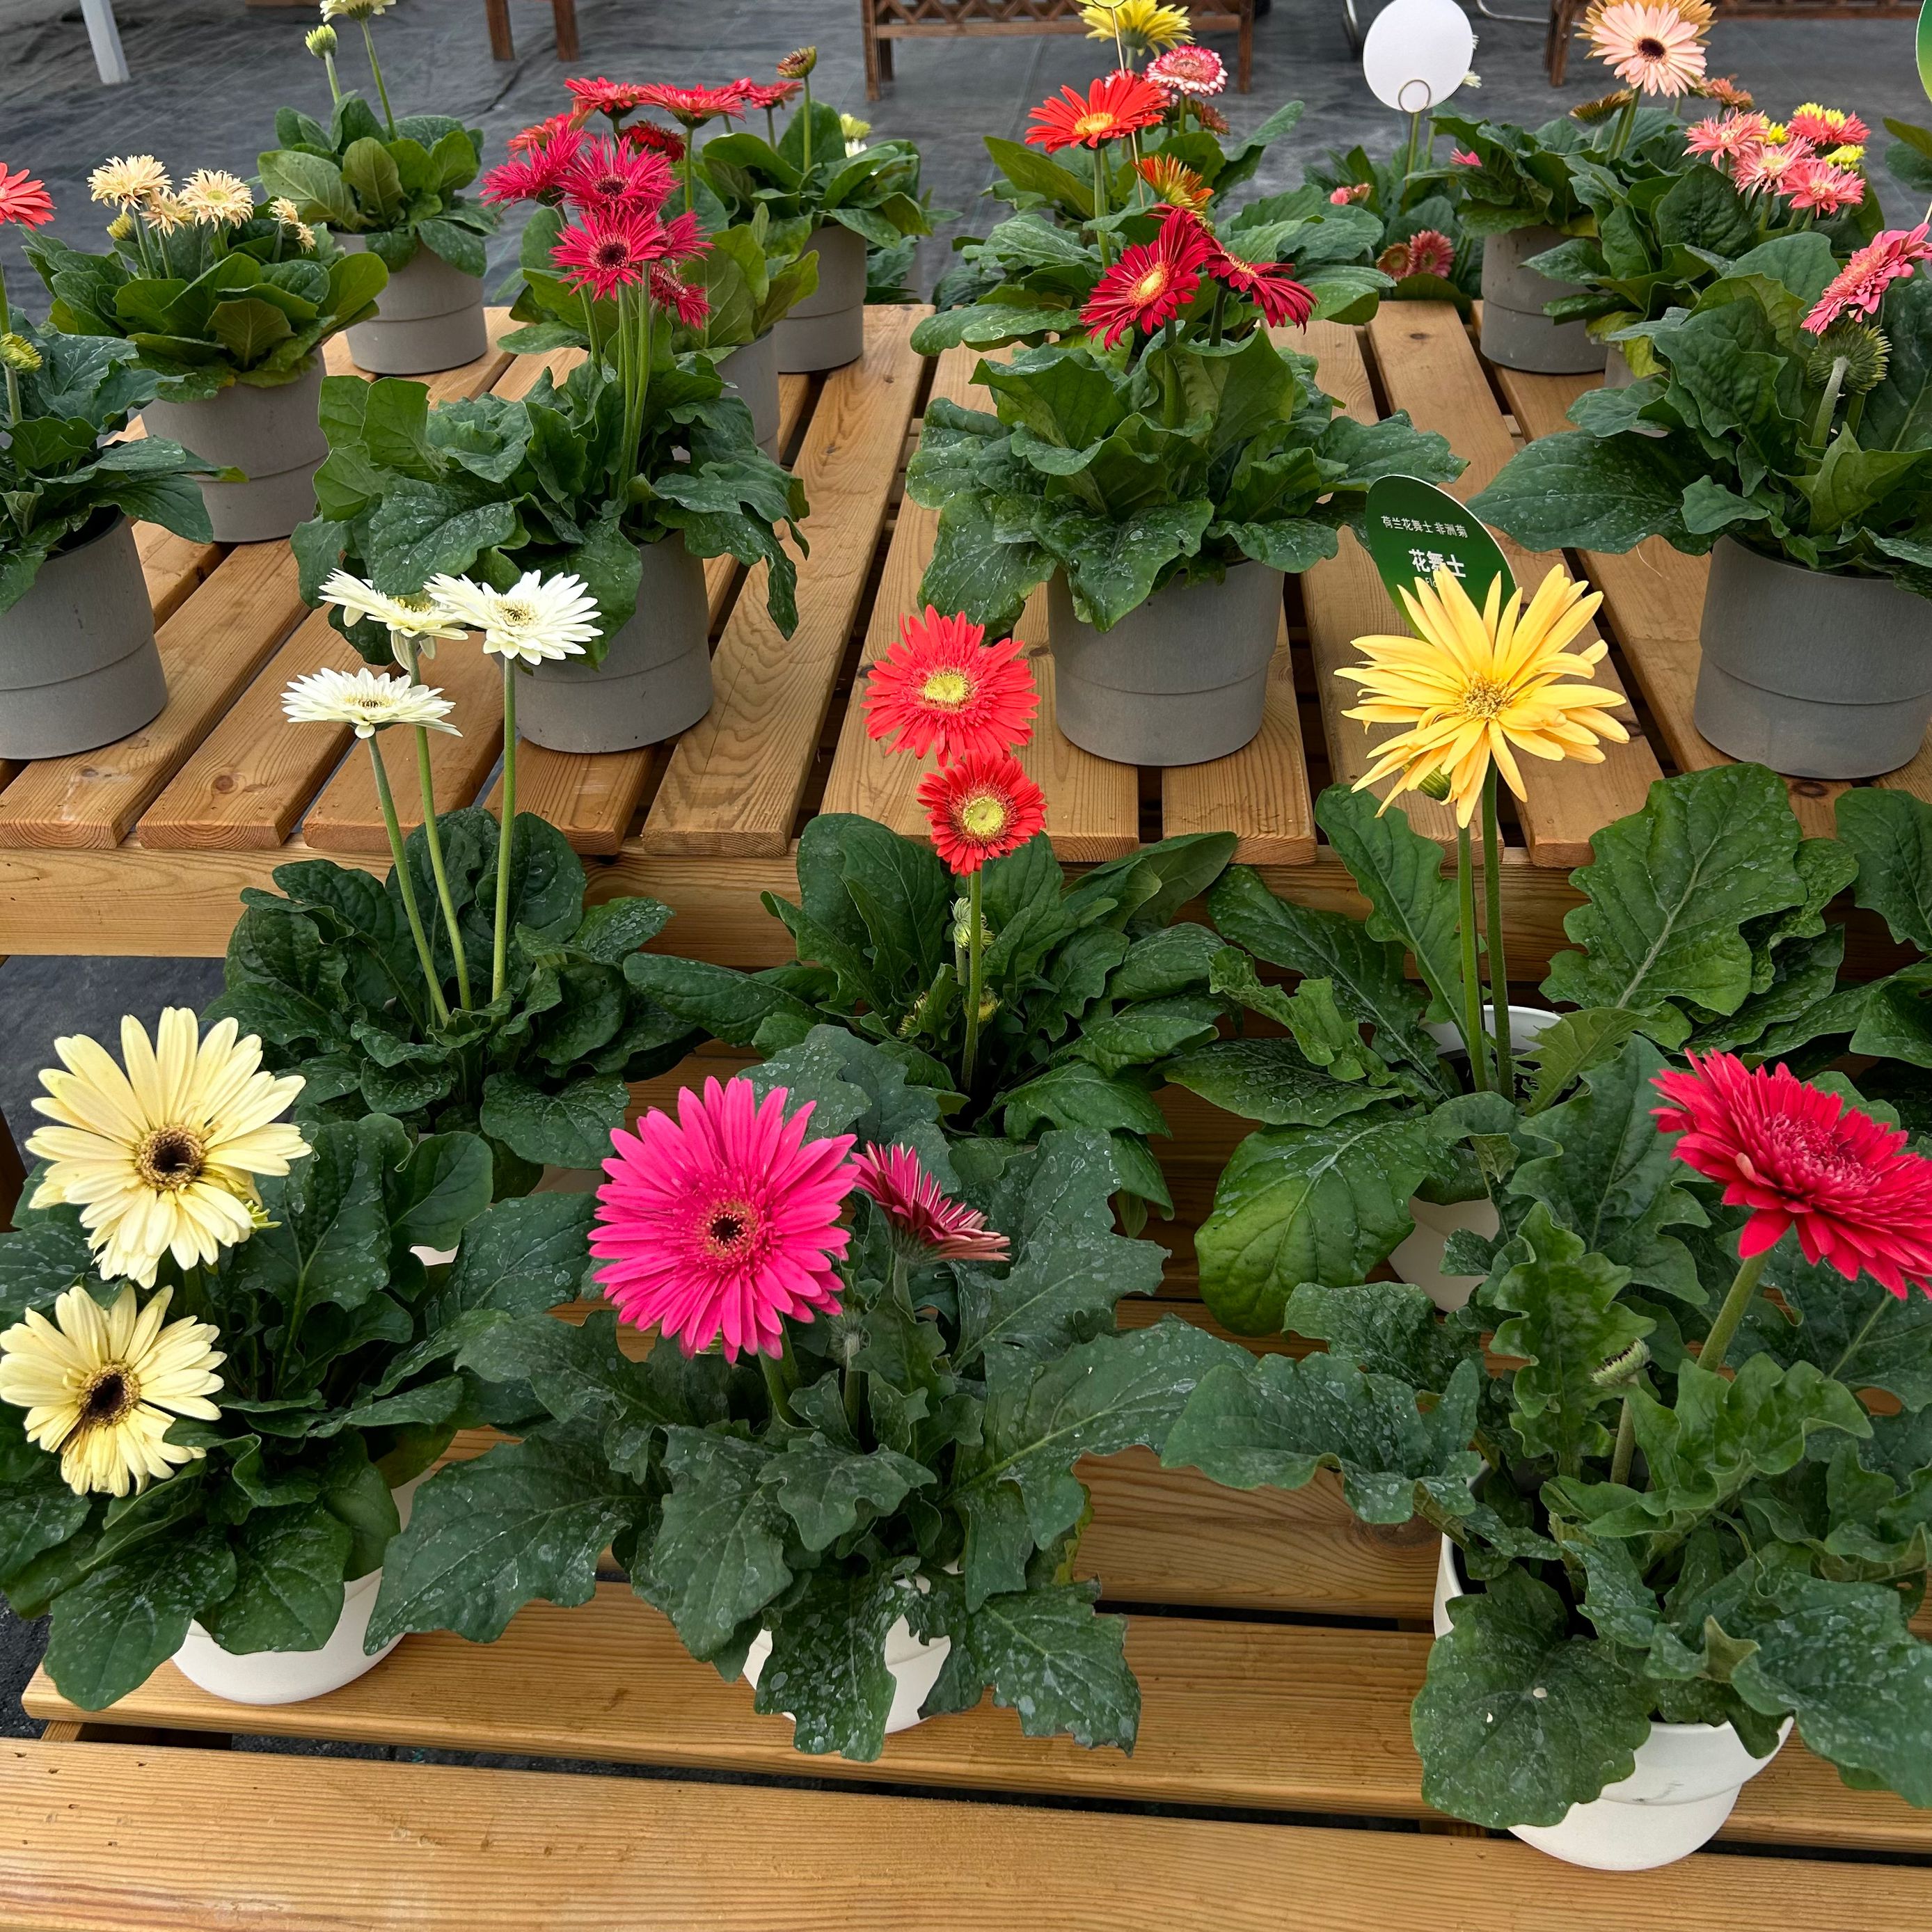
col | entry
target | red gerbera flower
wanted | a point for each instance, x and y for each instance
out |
(767, 94)
(694, 105)
(1859, 287)
(604, 178)
(24, 200)
(1153, 281)
(683, 235)
(926, 1225)
(1270, 286)
(612, 98)
(723, 1221)
(981, 807)
(1210, 119)
(1116, 105)
(1431, 253)
(536, 172)
(941, 687)
(648, 135)
(670, 291)
(1800, 1158)
(609, 252)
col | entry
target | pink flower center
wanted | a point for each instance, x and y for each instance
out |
(1812, 1151)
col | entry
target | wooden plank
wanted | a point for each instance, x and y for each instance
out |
(1344, 599)
(346, 816)
(733, 784)
(173, 566)
(210, 648)
(251, 780)
(1653, 600)
(468, 378)
(1429, 368)
(100, 1837)
(1252, 1717)
(1092, 805)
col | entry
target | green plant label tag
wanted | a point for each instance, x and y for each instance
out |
(1925, 48)
(1415, 530)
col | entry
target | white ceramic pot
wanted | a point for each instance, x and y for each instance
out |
(1418, 1259)
(827, 329)
(291, 1676)
(274, 436)
(1687, 1779)
(914, 1663)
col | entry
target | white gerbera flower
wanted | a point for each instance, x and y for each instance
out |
(103, 1386)
(128, 180)
(538, 618)
(354, 10)
(158, 1159)
(415, 618)
(214, 197)
(368, 700)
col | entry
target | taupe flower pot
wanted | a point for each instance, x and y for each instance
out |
(1182, 679)
(752, 370)
(827, 329)
(273, 437)
(655, 678)
(78, 665)
(1817, 675)
(1618, 373)
(1515, 332)
(429, 317)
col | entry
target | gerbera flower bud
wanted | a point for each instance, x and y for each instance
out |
(18, 354)
(1866, 352)
(1622, 1370)
(320, 41)
(795, 66)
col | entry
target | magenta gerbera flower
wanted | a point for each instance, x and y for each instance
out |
(926, 1224)
(722, 1221)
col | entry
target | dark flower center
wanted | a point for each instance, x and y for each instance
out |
(1651, 50)
(108, 1398)
(732, 1230)
(170, 1158)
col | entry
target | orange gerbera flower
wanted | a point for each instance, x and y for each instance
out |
(1178, 186)
(1116, 105)
(942, 687)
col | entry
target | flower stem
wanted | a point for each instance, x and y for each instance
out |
(1626, 120)
(6, 328)
(506, 837)
(406, 886)
(1859, 1340)
(1492, 935)
(1472, 990)
(975, 948)
(1620, 1456)
(433, 835)
(1414, 130)
(773, 1371)
(1828, 404)
(1100, 204)
(1744, 1285)
(334, 86)
(805, 150)
(375, 67)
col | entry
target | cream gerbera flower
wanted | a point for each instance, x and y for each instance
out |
(129, 181)
(415, 618)
(354, 10)
(1481, 685)
(103, 1386)
(285, 211)
(212, 196)
(160, 1159)
(536, 618)
(167, 214)
(370, 700)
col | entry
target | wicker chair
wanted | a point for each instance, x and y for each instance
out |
(886, 21)
(1566, 15)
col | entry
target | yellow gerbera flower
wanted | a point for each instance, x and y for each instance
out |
(1478, 685)
(104, 1386)
(160, 1158)
(1141, 26)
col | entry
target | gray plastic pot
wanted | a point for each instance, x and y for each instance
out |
(1770, 689)
(429, 317)
(752, 370)
(1515, 332)
(1618, 373)
(1182, 679)
(78, 665)
(273, 437)
(655, 678)
(827, 329)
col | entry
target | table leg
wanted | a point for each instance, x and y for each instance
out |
(565, 13)
(104, 36)
(13, 1175)
(502, 47)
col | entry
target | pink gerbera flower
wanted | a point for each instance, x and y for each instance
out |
(926, 1224)
(942, 688)
(609, 252)
(1735, 137)
(24, 200)
(1431, 253)
(1816, 186)
(1654, 48)
(1351, 191)
(1859, 287)
(723, 1221)
(1800, 1158)
(768, 95)
(614, 99)
(1828, 126)
(1196, 72)
(684, 300)
(536, 172)
(603, 179)
(692, 106)
(1464, 159)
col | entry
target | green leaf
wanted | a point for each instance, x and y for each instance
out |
(827, 1669)
(1150, 1030)
(1307, 1204)
(1560, 1053)
(1075, 1093)
(1275, 1421)
(1890, 835)
(1858, 1332)
(525, 1520)
(315, 186)
(288, 1582)
(1518, 1720)
(46, 1255)
(327, 1237)
(438, 1190)
(1596, 494)
(248, 327)
(570, 1127)
(822, 1487)
(1270, 1081)
(1034, 172)
(1386, 1327)
(523, 1256)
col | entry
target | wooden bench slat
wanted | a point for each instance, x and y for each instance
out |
(211, 648)
(1254, 1717)
(101, 1836)
(733, 782)
(468, 378)
(1429, 368)
(1653, 597)
(172, 566)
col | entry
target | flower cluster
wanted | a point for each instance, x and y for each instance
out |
(1153, 281)
(1427, 252)
(1763, 157)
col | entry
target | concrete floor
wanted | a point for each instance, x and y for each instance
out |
(220, 69)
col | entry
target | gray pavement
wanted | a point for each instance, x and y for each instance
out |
(209, 73)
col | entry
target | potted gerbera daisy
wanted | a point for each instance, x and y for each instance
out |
(227, 1365)
(1162, 535)
(1778, 430)
(229, 304)
(78, 663)
(392, 186)
(1677, 1522)
(850, 1359)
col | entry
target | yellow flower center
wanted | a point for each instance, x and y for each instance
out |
(1485, 697)
(170, 1159)
(109, 1394)
(946, 689)
(1101, 124)
(983, 817)
(517, 610)
(1151, 284)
